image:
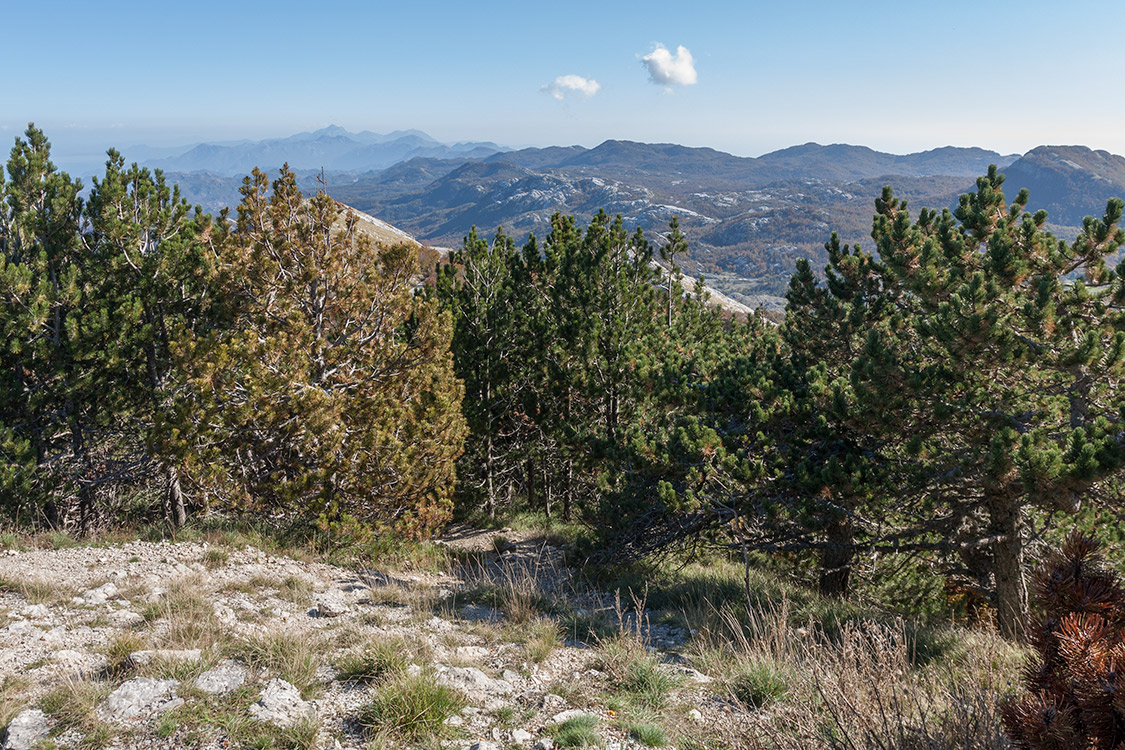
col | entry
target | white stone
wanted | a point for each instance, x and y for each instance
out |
(694, 675)
(521, 737)
(140, 697)
(509, 676)
(26, 729)
(223, 679)
(545, 744)
(475, 684)
(695, 715)
(484, 745)
(280, 704)
(331, 604)
(123, 618)
(562, 716)
(101, 594)
(454, 721)
(20, 627)
(35, 611)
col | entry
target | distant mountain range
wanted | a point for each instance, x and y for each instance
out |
(332, 149)
(747, 218)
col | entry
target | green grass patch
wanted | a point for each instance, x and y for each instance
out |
(758, 683)
(375, 663)
(649, 735)
(411, 708)
(636, 672)
(577, 731)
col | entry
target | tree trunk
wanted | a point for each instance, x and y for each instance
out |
(836, 559)
(1010, 581)
(177, 512)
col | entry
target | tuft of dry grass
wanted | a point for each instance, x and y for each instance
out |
(858, 686)
(293, 656)
(185, 617)
(37, 592)
(71, 704)
(12, 698)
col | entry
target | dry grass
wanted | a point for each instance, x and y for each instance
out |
(523, 589)
(410, 709)
(291, 655)
(71, 704)
(37, 592)
(185, 617)
(12, 698)
(859, 687)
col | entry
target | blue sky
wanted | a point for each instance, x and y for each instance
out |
(896, 77)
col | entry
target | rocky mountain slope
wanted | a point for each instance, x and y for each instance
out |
(221, 645)
(747, 219)
(1071, 182)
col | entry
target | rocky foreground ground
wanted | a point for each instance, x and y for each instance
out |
(145, 644)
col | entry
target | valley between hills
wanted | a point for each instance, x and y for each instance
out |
(747, 219)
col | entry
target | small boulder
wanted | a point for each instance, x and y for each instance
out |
(281, 705)
(475, 684)
(26, 730)
(123, 618)
(521, 737)
(100, 595)
(562, 716)
(140, 697)
(36, 612)
(223, 679)
(331, 604)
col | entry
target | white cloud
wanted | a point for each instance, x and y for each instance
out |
(571, 84)
(667, 69)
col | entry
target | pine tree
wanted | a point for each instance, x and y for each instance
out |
(46, 412)
(333, 395)
(155, 282)
(1074, 697)
(992, 373)
(477, 288)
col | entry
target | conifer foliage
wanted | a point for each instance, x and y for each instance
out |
(1075, 697)
(331, 393)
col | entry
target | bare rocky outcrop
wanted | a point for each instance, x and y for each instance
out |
(281, 704)
(26, 730)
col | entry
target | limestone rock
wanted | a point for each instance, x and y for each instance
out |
(692, 675)
(140, 697)
(331, 604)
(26, 730)
(223, 679)
(281, 705)
(100, 595)
(36, 612)
(521, 737)
(562, 716)
(123, 618)
(475, 684)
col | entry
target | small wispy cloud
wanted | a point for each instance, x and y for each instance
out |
(563, 86)
(666, 69)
